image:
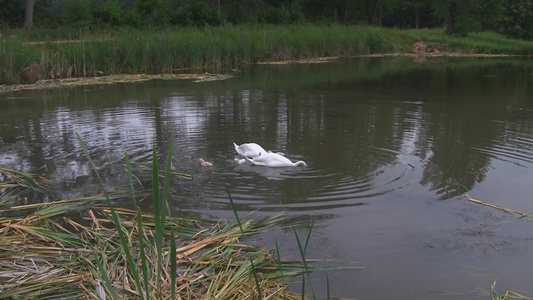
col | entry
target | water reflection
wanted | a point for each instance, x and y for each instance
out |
(384, 140)
(367, 127)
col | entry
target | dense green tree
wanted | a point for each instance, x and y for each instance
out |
(148, 8)
(489, 13)
(461, 17)
(370, 8)
(12, 13)
(516, 18)
(195, 13)
(112, 12)
(512, 17)
(79, 13)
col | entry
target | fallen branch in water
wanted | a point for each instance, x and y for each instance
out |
(508, 295)
(507, 210)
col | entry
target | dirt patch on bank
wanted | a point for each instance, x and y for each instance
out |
(112, 79)
(418, 52)
(317, 60)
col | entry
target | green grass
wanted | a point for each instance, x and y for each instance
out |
(184, 49)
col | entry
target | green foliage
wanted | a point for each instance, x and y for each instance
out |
(274, 15)
(516, 19)
(78, 13)
(489, 11)
(460, 17)
(511, 17)
(90, 14)
(135, 19)
(195, 13)
(297, 15)
(112, 12)
(235, 13)
(10, 13)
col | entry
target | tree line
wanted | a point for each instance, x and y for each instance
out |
(513, 18)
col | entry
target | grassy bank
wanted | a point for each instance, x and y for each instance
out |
(45, 54)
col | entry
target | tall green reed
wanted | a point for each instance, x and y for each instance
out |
(174, 49)
(160, 214)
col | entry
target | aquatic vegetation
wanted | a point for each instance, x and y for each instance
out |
(78, 258)
(16, 185)
(55, 249)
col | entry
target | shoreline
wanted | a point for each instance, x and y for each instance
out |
(203, 77)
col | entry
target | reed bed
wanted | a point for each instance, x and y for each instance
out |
(65, 54)
(49, 254)
(64, 250)
(16, 185)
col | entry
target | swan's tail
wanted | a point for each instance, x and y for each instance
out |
(237, 148)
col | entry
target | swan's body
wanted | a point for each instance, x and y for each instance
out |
(249, 149)
(204, 163)
(280, 153)
(274, 160)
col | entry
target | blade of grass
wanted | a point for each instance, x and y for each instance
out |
(158, 215)
(278, 257)
(116, 220)
(308, 237)
(254, 272)
(130, 176)
(173, 265)
(327, 287)
(303, 286)
(301, 249)
(103, 274)
(144, 262)
(234, 209)
(166, 187)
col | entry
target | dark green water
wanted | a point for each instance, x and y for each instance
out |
(392, 146)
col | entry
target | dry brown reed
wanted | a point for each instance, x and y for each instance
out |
(47, 253)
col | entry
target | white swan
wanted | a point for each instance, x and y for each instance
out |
(275, 160)
(204, 163)
(249, 149)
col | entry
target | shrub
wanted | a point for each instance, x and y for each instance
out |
(195, 13)
(275, 15)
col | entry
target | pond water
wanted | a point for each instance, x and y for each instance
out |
(392, 146)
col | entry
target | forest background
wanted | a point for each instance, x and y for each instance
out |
(513, 18)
